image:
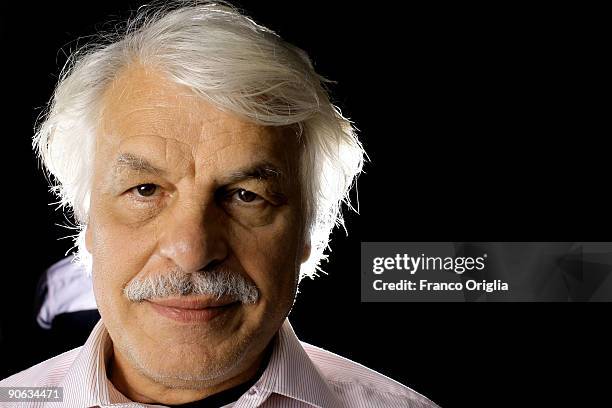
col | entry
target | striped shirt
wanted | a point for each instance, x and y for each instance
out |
(298, 375)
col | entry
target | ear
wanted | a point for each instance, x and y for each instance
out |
(306, 251)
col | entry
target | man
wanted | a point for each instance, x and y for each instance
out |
(206, 165)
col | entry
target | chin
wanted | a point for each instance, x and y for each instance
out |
(189, 366)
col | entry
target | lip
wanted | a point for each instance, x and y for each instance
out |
(192, 310)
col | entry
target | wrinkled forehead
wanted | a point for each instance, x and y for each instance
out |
(143, 111)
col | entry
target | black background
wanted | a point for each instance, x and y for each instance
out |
(482, 124)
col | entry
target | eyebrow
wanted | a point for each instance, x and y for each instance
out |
(137, 163)
(259, 171)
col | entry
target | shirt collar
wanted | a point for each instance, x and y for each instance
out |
(87, 378)
(290, 373)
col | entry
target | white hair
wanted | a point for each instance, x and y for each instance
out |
(232, 62)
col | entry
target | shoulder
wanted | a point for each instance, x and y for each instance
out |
(353, 382)
(48, 373)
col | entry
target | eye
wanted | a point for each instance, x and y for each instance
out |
(145, 190)
(246, 196)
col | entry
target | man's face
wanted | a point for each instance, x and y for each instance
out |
(194, 210)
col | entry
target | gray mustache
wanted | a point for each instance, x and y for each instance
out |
(218, 283)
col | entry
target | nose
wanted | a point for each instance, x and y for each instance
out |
(193, 236)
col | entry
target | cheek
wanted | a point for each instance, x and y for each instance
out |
(269, 255)
(119, 251)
